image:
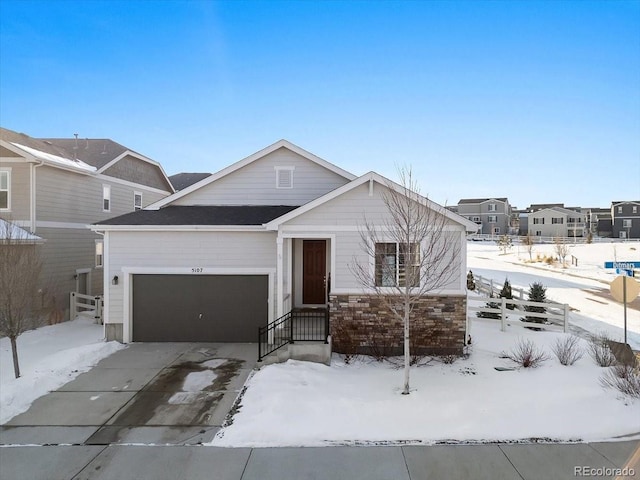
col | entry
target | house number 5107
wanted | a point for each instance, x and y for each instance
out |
(197, 270)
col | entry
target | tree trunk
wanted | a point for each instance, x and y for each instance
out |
(14, 351)
(407, 356)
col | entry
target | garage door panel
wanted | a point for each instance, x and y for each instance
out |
(199, 308)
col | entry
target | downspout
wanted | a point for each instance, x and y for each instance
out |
(32, 213)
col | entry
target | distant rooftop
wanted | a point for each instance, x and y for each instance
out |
(180, 181)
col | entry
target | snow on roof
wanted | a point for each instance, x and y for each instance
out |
(48, 157)
(12, 232)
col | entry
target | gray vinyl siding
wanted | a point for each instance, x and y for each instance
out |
(64, 196)
(349, 209)
(65, 251)
(347, 213)
(19, 191)
(167, 250)
(255, 184)
(481, 210)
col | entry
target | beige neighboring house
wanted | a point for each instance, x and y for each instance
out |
(267, 243)
(492, 215)
(557, 222)
(55, 188)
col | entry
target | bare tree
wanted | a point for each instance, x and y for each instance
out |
(414, 253)
(20, 268)
(561, 248)
(528, 242)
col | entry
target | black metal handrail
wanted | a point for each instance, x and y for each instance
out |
(304, 325)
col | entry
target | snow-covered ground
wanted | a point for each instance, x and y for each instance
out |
(49, 357)
(585, 287)
(299, 403)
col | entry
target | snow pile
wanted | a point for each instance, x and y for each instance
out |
(49, 357)
(307, 404)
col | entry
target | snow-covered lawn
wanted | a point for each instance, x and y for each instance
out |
(300, 403)
(49, 357)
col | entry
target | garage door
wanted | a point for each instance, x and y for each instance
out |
(199, 308)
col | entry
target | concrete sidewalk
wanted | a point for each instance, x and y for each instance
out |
(456, 462)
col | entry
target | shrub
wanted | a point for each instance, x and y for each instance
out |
(600, 350)
(537, 293)
(567, 350)
(526, 354)
(507, 293)
(623, 378)
(344, 342)
(471, 281)
(448, 359)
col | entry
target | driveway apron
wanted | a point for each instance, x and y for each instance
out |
(148, 393)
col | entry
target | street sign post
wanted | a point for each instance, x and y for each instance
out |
(623, 290)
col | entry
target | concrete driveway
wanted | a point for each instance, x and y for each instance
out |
(148, 393)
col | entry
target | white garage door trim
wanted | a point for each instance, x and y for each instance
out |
(128, 272)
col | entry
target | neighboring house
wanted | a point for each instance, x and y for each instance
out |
(625, 219)
(599, 221)
(557, 222)
(493, 215)
(180, 181)
(55, 188)
(269, 235)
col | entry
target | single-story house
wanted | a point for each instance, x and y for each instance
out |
(272, 234)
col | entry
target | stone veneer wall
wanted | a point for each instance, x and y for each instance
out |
(364, 323)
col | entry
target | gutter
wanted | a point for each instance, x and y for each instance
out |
(32, 213)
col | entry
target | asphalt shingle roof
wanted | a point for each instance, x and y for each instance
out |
(180, 181)
(203, 215)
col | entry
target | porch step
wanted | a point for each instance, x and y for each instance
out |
(317, 352)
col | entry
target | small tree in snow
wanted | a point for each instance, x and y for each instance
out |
(504, 242)
(20, 268)
(561, 248)
(507, 293)
(471, 281)
(527, 241)
(413, 251)
(537, 293)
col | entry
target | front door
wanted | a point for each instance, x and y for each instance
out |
(314, 272)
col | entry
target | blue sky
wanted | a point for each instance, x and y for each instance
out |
(538, 101)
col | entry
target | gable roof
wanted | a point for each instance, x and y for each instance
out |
(36, 149)
(228, 215)
(182, 180)
(371, 177)
(96, 152)
(480, 200)
(562, 210)
(250, 159)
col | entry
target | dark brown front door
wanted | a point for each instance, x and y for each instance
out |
(314, 271)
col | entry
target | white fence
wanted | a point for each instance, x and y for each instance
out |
(80, 303)
(552, 313)
(517, 239)
(558, 312)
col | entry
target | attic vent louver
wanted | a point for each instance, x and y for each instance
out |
(284, 177)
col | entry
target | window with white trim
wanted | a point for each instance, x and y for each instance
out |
(496, 230)
(620, 209)
(538, 221)
(5, 189)
(137, 201)
(284, 177)
(492, 207)
(99, 253)
(626, 223)
(396, 265)
(557, 220)
(493, 219)
(538, 233)
(106, 198)
(634, 209)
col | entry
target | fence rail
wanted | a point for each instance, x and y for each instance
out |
(517, 239)
(81, 303)
(296, 326)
